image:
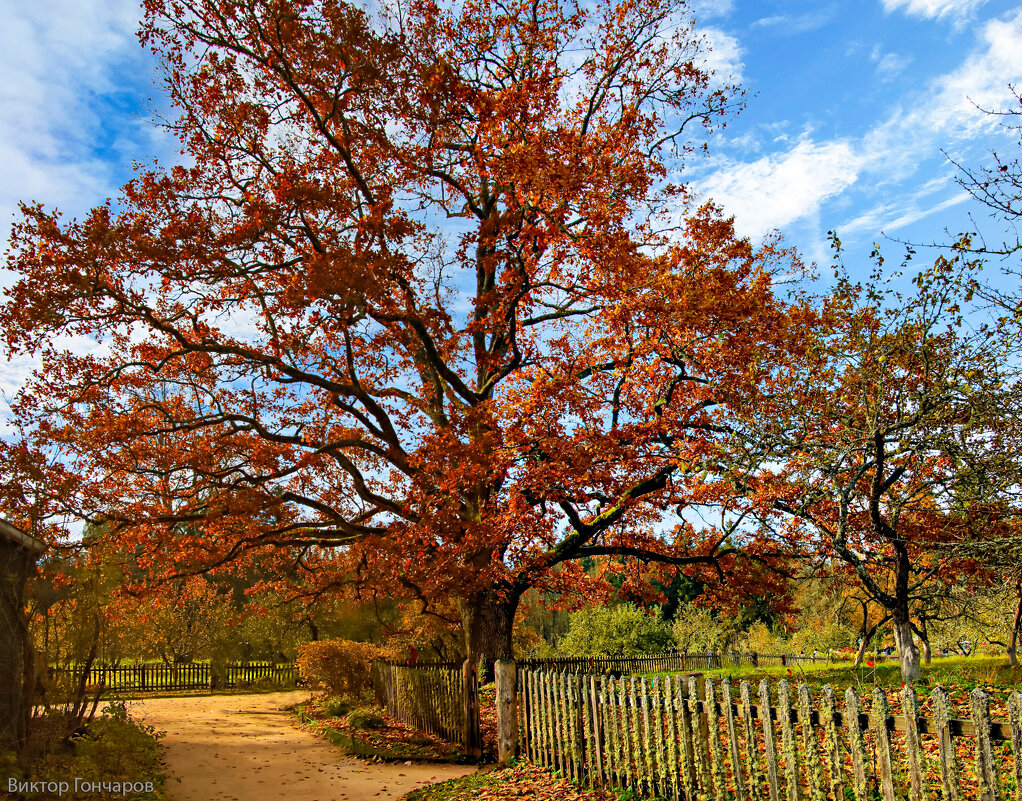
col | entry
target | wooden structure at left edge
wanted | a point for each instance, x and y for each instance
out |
(18, 555)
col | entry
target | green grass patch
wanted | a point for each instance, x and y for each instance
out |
(522, 780)
(465, 788)
(967, 672)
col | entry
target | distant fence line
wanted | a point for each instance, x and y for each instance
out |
(672, 662)
(669, 737)
(191, 676)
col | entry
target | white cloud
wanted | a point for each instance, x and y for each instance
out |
(790, 24)
(934, 9)
(707, 9)
(781, 188)
(948, 112)
(776, 190)
(59, 61)
(724, 55)
(889, 65)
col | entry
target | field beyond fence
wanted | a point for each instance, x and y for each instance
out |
(193, 676)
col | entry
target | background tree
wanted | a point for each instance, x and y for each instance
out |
(887, 442)
(619, 630)
(421, 295)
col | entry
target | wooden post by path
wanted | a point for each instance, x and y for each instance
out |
(506, 677)
(471, 738)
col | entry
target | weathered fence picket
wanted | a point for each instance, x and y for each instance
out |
(669, 738)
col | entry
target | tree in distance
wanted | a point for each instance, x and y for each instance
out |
(885, 444)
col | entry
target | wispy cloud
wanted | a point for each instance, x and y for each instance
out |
(799, 23)
(709, 9)
(724, 55)
(889, 65)
(934, 9)
(64, 67)
(778, 189)
(781, 188)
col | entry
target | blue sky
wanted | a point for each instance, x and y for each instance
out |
(850, 103)
(850, 107)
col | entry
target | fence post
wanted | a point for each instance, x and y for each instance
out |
(506, 677)
(471, 739)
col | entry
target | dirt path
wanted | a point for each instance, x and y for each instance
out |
(244, 747)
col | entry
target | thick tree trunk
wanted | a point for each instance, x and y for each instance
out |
(861, 653)
(908, 654)
(924, 638)
(488, 619)
(15, 566)
(1016, 625)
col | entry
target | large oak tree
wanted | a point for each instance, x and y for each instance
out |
(427, 293)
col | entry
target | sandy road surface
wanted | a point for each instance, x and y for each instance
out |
(244, 747)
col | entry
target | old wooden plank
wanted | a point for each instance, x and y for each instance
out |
(832, 743)
(606, 717)
(810, 745)
(913, 745)
(671, 719)
(648, 746)
(700, 744)
(657, 702)
(617, 748)
(637, 744)
(789, 746)
(878, 715)
(752, 763)
(1015, 713)
(986, 765)
(949, 768)
(769, 747)
(628, 757)
(686, 755)
(732, 736)
(716, 752)
(856, 745)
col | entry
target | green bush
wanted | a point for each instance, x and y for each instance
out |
(365, 718)
(114, 748)
(621, 630)
(698, 630)
(337, 707)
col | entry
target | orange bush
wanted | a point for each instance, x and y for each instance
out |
(341, 667)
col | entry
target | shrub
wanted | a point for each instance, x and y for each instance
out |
(341, 667)
(699, 630)
(112, 748)
(337, 707)
(365, 719)
(621, 630)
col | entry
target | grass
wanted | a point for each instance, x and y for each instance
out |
(969, 672)
(519, 781)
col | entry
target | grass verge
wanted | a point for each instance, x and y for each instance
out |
(521, 781)
(371, 733)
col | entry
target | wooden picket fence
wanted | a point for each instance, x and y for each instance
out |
(686, 738)
(431, 698)
(194, 676)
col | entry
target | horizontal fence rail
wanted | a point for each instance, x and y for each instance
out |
(689, 738)
(431, 698)
(193, 676)
(671, 661)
